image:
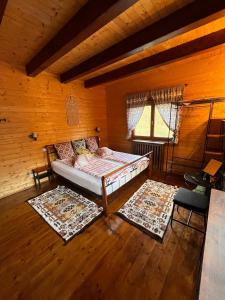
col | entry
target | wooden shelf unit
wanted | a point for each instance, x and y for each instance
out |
(214, 142)
(215, 135)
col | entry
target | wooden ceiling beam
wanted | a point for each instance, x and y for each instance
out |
(3, 4)
(179, 52)
(90, 18)
(189, 17)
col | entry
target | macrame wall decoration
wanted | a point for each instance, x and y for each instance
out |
(72, 111)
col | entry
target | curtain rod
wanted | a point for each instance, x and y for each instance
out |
(155, 89)
(201, 101)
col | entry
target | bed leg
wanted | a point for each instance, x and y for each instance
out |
(105, 205)
(150, 165)
(104, 197)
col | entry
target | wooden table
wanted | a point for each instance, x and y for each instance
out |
(40, 173)
(212, 285)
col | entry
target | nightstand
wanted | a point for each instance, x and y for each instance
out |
(40, 173)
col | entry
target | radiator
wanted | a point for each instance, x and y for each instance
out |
(142, 147)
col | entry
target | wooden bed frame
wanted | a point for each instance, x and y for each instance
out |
(52, 155)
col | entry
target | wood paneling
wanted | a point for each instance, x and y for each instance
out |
(29, 25)
(38, 105)
(204, 76)
(179, 52)
(90, 18)
(162, 46)
(143, 13)
(110, 260)
(185, 19)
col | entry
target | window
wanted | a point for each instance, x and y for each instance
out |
(152, 125)
(143, 126)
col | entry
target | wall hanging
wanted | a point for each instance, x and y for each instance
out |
(72, 111)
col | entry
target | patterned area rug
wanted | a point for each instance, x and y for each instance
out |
(67, 212)
(150, 208)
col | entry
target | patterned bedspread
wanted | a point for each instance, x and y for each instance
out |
(123, 157)
(99, 167)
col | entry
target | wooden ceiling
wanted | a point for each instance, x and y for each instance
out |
(137, 17)
(27, 26)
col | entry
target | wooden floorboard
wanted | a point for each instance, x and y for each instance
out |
(111, 259)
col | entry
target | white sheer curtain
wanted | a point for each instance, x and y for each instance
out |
(166, 101)
(168, 113)
(135, 108)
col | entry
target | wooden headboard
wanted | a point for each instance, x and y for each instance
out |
(52, 154)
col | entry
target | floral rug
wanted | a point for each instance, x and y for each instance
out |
(67, 212)
(150, 208)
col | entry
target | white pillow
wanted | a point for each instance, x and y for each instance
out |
(104, 151)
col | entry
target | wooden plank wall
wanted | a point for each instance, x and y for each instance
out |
(204, 76)
(38, 104)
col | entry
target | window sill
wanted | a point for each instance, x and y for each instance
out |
(151, 140)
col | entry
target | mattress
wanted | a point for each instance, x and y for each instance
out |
(92, 183)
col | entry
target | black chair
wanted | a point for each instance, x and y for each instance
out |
(195, 202)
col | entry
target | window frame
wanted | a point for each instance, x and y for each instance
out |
(151, 136)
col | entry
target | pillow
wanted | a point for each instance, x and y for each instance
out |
(92, 144)
(64, 150)
(68, 161)
(78, 144)
(104, 151)
(82, 160)
(80, 151)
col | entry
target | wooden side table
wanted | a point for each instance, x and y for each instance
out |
(40, 173)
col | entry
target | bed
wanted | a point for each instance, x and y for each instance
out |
(102, 176)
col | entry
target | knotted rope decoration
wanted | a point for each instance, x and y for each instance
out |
(72, 111)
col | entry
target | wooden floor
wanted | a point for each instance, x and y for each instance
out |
(111, 259)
